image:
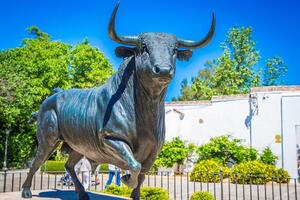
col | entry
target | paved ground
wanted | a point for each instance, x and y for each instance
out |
(179, 187)
(56, 195)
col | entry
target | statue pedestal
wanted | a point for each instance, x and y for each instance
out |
(58, 195)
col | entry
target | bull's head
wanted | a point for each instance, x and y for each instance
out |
(156, 53)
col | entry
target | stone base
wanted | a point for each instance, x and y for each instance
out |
(57, 195)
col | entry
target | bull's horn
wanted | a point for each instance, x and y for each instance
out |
(127, 40)
(188, 44)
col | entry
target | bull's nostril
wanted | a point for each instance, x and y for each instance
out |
(156, 70)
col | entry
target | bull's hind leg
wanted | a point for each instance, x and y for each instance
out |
(48, 140)
(124, 152)
(42, 155)
(74, 157)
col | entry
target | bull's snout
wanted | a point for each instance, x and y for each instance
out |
(164, 72)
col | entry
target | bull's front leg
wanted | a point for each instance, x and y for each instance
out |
(125, 155)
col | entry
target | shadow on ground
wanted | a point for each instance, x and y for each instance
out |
(68, 195)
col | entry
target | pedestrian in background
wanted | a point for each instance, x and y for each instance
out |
(85, 172)
(113, 171)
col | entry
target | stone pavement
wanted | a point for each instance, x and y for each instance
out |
(57, 195)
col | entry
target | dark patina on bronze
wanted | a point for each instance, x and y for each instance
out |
(121, 122)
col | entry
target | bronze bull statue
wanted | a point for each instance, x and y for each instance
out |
(121, 122)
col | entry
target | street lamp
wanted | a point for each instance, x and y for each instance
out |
(7, 131)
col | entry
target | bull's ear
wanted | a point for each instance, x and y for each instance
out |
(123, 52)
(184, 55)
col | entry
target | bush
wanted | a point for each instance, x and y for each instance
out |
(53, 166)
(281, 176)
(227, 150)
(147, 193)
(208, 171)
(117, 190)
(268, 157)
(104, 167)
(257, 172)
(174, 151)
(202, 195)
(153, 193)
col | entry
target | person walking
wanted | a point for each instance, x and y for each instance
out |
(97, 172)
(113, 171)
(85, 170)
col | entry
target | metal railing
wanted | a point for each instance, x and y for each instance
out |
(179, 186)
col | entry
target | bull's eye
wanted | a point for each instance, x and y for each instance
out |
(144, 48)
(175, 50)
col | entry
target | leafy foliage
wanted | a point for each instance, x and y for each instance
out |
(281, 176)
(202, 195)
(53, 166)
(89, 67)
(29, 73)
(209, 171)
(154, 193)
(256, 172)
(147, 193)
(234, 71)
(274, 71)
(174, 151)
(117, 190)
(268, 157)
(226, 150)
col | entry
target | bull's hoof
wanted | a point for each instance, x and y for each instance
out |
(83, 196)
(26, 193)
(129, 181)
(135, 195)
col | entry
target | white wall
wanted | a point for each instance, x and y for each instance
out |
(269, 113)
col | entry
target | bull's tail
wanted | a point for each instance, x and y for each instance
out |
(33, 118)
(34, 115)
(55, 90)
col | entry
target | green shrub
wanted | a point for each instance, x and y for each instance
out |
(147, 193)
(226, 149)
(117, 190)
(202, 195)
(104, 167)
(208, 171)
(153, 193)
(255, 172)
(268, 157)
(51, 166)
(281, 176)
(174, 151)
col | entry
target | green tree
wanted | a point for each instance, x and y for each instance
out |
(226, 150)
(89, 67)
(186, 92)
(268, 157)
(233, 72)
(29, 73)
(174, 151)
(274, 71)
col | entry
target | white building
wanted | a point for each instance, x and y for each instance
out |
(269, 116)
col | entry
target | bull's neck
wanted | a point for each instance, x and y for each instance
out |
(148, 105)
(150, 110)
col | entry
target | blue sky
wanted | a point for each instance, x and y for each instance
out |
(275, 23)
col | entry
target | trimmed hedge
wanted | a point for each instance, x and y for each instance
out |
(104, 167)
(209, 171)
(154, 193)
(256, 172)
(281, 176)
(202, 195)
(118, 190)
(53, 166)
(147, 193)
